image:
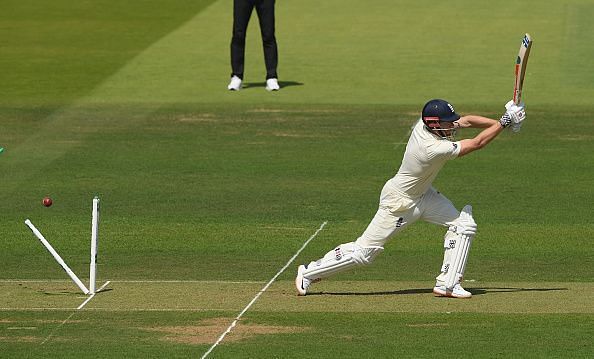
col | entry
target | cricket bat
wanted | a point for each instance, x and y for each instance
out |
(521, 63)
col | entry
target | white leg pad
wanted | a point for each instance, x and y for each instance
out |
(341, 258)
(459, 259)
(457, 243)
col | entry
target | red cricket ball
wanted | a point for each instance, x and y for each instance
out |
(47, 201)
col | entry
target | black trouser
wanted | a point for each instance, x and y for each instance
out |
(242, 10)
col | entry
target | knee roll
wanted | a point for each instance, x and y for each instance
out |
(464, 224)
(365, 255)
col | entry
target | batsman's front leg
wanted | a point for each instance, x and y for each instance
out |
(341, 258)
(457, 243)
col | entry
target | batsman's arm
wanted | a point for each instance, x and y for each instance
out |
(491, 129)
(473, 121)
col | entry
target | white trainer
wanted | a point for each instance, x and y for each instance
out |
(272, 85)
(235, 84)
(456, 292)
(301, 283)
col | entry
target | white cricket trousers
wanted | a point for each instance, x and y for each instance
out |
(396, 211)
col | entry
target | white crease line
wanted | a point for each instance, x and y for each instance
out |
(92, 296)
(103, 286)
(86, 301)
(71, 314)
(34, 280)
(56, 328)
(133, 281)
(101, 309)
(34, 309)
(262, 291)
(189, 281)
(404, 140)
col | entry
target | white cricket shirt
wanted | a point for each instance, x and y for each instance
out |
(425, 155)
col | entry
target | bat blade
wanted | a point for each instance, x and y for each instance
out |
(520, 69)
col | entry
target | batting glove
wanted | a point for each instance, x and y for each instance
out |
(505, 121)
(513, 116)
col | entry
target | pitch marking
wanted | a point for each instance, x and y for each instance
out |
(71, 314)
(56, 328)
(133, 281)
(230, 328)
(92, 295)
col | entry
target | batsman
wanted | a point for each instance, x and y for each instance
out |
(410, 196)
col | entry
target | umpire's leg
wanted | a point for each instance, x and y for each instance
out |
(242, 10)
(265, 9)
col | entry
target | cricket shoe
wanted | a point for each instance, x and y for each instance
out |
(272, 85)
(235, 84)
(302, 283)
(456, 292)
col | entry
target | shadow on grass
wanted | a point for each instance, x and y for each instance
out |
(282, 84)
(487, 290)
(63, 292)
(474, 291)
(393, 292)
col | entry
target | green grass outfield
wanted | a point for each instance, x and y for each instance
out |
(207, 194)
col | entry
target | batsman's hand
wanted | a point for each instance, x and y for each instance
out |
(513, 116)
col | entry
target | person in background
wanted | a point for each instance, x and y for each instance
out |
(242, 11)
